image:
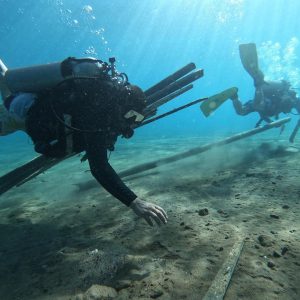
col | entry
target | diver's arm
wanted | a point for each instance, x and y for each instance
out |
(109, 179)
(103, 171)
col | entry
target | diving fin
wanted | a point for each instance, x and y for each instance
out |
(249, 59)
(215, 101)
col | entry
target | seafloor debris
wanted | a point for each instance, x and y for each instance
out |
(98, 292)
(100, 267)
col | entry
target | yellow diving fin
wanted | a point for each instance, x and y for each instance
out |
(213, 102)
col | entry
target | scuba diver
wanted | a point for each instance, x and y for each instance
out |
(73, 106)
(271, 97)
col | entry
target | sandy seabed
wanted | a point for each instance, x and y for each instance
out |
(61, 233)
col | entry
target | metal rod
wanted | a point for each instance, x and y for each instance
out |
(152, 108)
(221, 282)
(198, 150)
(170, 79)
(175, 86)
(27, 171)
(172, 111)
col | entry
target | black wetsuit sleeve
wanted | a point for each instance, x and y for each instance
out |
(103, 171)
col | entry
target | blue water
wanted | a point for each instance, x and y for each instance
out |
(153, 38)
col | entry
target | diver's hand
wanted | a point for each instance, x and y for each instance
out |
(149, 211)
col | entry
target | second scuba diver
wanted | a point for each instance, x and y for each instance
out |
(271, 97)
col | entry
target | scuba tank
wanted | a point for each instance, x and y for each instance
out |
(275, 89)
(37, 78)
(278, 96)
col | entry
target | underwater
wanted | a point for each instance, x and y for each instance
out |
(149, 149)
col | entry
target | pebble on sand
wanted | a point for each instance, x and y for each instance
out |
(274, 216)
(284, 250)
(265, 241)
(276, 254)
(203, 212)
(271, 264)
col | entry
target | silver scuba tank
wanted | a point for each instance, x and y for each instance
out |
(36, 78)
(33, 79)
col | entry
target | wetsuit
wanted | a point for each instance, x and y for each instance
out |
(90, 105)
(102, 170)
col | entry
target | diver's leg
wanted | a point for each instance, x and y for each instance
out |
(239, 108)
(7, 124)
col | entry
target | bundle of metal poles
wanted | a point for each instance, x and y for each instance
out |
(171, 87)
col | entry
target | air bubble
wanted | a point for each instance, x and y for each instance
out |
(88, 9)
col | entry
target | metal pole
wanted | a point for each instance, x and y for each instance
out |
(197, 150)
(172, 111)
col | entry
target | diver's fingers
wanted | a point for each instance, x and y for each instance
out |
(159, 214)
(162, 211)
(155, 217)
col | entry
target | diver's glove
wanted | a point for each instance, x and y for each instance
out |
(149, 211)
